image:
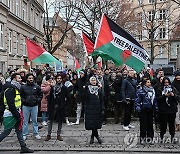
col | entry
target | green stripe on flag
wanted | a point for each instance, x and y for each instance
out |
(110, 52)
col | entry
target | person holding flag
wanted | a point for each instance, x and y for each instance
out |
(12, 117)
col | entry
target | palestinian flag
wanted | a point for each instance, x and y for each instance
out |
(114, 43)
(77, 65)
(151, 73)
(37, 54)
(88, 43)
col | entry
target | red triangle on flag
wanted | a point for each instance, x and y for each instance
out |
(33, 49)
(105, 35)
(77, 65)
(88, 43)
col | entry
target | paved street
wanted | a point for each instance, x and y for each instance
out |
(76, 140)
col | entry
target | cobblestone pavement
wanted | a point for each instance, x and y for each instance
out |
(76, 138)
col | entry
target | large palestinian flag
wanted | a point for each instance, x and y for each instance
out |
(88, 43)
(37, 54)
(114, 43)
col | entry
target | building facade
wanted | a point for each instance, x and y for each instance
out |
(158, 18)
(18, 19)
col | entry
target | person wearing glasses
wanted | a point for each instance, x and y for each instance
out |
(167, 97)
(57, 102)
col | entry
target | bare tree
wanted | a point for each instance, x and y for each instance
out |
(158, 23)
(63, 20)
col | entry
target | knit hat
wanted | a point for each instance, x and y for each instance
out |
(177, 73)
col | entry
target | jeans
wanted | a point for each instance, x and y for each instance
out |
(44, 116)
(6, 132)
(27, 111)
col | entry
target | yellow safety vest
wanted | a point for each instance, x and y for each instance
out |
(17, 100)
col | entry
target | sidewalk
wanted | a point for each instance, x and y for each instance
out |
(76, 138)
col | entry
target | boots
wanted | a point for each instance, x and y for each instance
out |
(92, 139)
(97, 137)
(99, 140)
(26, 150)
(59, 138)
(48, 137)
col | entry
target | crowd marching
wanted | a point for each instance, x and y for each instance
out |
(155, 99)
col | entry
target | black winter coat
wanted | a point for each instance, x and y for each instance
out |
(162, 104)
(93, 111)
(128, 89)
(79, 88)
(117, 87)
(58, 104)
(31, 94)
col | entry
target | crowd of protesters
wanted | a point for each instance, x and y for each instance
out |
(90, 91)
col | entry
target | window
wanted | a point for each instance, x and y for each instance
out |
(140, 35)
(140, 2)
(17, 8)
(149, 33)
(161, 51)
(10, 41)
(151, 1)
(17, 43)
(32, 17)
(36, 21)
(177, 49)
(8, 2)
(149, 51)
(150, 15)
(1, 35)
(162, 33)
(24, 11)
(162, 14)
(24, 46)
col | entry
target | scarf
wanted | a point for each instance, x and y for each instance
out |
(93, 89)
(57, 89)
(16, 84)
(150, 93)
(166, 90)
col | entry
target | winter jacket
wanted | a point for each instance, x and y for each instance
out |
(79, 88)
(58, 103)
(31, 94)
(128, 89)
(176, 84)
(93, 111)
(117, 88)
(172, 101)
(142, 101)
(45, 88)
(10, 95)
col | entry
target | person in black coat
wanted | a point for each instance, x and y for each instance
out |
(93, 109)
(128, 91)
(167, 102)
(80, 94)
(57, 102)
(176, 84)
(118, 108)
